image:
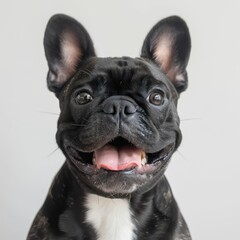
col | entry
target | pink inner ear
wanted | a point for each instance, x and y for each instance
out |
(71, 53)
(164, 56)
(163, 53)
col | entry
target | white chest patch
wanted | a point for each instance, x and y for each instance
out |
(111, 218)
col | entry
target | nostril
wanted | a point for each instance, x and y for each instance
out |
(110, 109)
(129, 109)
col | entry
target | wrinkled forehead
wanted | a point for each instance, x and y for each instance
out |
(117, 66)
(124, 69)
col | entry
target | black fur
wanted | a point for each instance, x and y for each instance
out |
(112, 101)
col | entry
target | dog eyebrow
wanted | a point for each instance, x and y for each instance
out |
(80, 72)
(66, 89)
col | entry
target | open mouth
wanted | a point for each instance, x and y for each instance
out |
(120, 155)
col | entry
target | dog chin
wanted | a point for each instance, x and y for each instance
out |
(117, 185)
(116, 190)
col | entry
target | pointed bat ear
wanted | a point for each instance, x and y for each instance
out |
(168, 44)
(67, 44)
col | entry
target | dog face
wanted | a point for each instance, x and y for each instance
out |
(118, 125)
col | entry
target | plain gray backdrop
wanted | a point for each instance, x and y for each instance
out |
(204, 173)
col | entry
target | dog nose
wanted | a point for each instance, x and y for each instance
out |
(119, 106)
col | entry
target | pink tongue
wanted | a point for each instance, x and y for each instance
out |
(112, 158)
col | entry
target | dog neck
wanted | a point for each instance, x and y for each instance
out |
(111, 218)
(120, 218)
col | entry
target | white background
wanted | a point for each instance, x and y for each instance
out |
(204, 173)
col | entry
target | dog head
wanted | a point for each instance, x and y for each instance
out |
(118, 125)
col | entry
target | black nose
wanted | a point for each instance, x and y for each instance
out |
(119, 106)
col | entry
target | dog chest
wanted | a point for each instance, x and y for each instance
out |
(111, 218)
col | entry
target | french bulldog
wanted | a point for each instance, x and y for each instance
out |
(118, 128)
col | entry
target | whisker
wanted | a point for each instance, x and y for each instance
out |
(51, 153)
(181, 155)
(51, 113)
(189, 119)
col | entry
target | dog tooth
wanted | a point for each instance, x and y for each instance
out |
(144, 161)
(143, 158)
(94, 160)
(143, 155)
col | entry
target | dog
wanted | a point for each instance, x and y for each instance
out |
(118, 128)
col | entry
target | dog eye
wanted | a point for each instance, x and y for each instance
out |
(83, 98)
(156, 98)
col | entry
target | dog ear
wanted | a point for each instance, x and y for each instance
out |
(67, 44)
(168, 44)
